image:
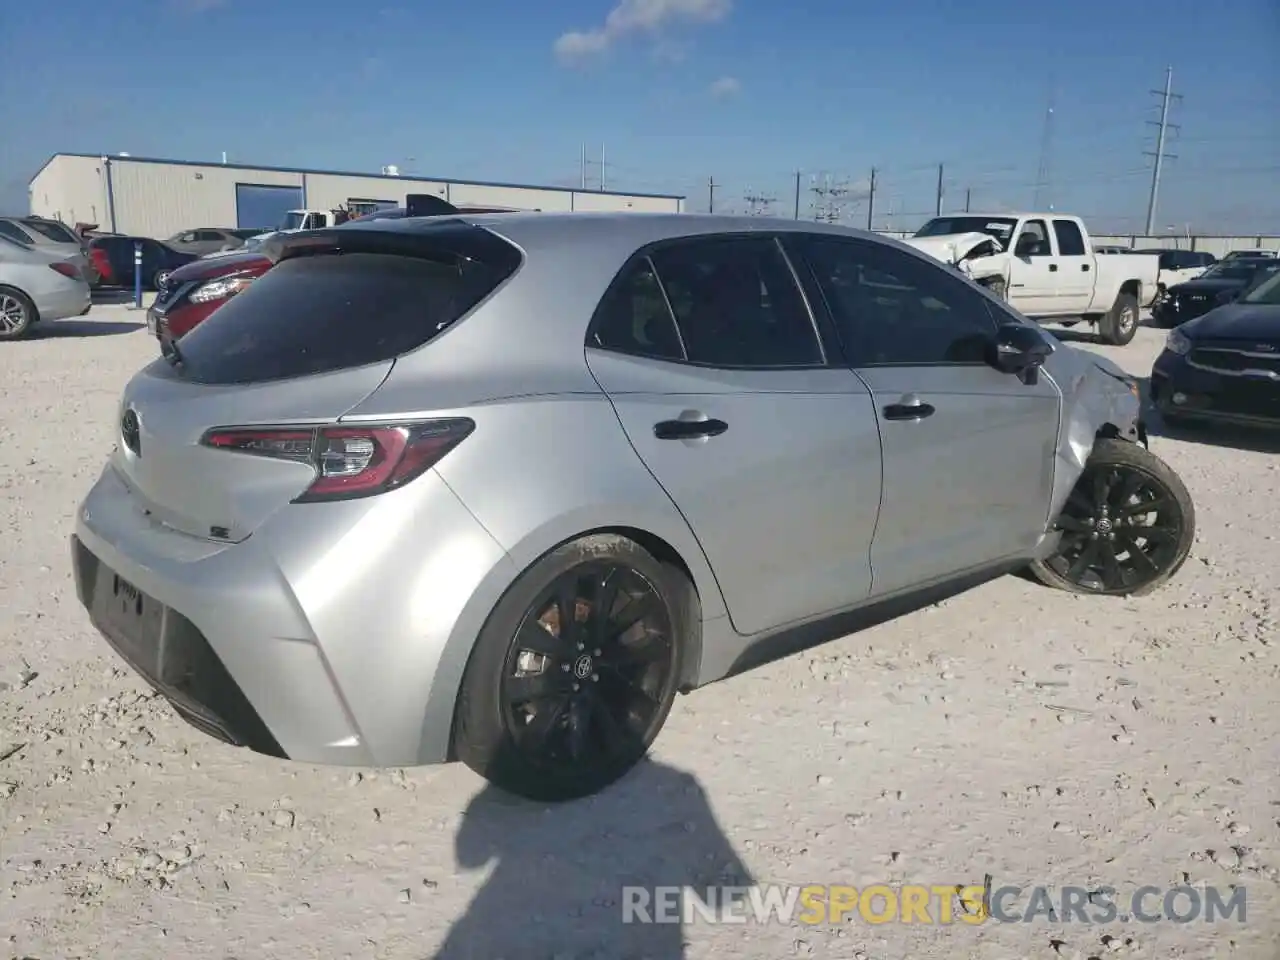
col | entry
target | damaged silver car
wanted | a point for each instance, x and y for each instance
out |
(566, 466)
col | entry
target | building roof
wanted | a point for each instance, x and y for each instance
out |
(416, 178)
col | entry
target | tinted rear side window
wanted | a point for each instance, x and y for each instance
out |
(53, 231)
(316, 314)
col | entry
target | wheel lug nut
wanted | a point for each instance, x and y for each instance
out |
(582, 646)
(595, 653)
(595, 678)
(575, 687)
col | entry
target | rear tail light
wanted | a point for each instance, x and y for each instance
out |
(219, 289)
(66, 269)
(101, 262)
(350, 462)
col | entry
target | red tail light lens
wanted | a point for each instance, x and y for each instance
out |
(350, 461)
(66, 269)
(101, 262)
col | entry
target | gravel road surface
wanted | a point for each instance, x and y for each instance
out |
(1012, 735)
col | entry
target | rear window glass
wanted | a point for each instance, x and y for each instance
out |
(54, 231)
(316, 314)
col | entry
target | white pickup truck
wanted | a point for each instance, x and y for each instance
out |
(1045, 266)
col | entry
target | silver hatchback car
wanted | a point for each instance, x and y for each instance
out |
(495, 488)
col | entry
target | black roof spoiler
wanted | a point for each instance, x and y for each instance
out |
(427, 205)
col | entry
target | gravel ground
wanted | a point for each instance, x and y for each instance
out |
(1012, 732)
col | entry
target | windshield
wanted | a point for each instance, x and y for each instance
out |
(1267, 291)
(1238, 269)
(293, 220)
(1001, 228)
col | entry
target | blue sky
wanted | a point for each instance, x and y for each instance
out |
(676, 92)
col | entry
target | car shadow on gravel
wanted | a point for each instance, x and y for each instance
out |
(559, 872)
(1254, 440)
(55, 329)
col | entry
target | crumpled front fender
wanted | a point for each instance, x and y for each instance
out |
(1098, 399)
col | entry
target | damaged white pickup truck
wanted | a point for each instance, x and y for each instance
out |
(1044, 265)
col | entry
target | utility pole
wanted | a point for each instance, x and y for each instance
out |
(602, 168)
(968, 195)
(937, 207)
(757, 204)
(1043, 174)
(711, 194)
(584, 166)
(871, 198)
(1165, 96)
(797, 207)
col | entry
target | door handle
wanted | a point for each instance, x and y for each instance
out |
(916, 410)
(688, 429)
(1053, 268)
(1084, 267)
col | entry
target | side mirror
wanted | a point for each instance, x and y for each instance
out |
(1019, 349)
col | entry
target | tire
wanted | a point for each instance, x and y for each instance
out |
(1149, 482)
(17, 313)
(158, 277)
(517, 750)
(1120, 325)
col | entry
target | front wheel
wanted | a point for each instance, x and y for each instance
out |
(1120, 325)
(1126, 528)
(575, 671)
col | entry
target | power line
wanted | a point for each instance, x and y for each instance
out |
(1165, 96)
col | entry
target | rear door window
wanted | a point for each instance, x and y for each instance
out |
(316, 314)
(51, 231)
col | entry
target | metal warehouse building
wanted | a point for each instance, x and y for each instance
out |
(144, 196)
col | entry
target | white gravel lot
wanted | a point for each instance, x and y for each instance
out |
(1013, 731)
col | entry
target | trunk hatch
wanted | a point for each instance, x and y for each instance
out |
(304, 344)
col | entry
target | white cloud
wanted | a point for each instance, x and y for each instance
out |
(637, 17)
(725, 88)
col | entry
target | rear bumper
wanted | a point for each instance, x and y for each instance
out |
(310, 640)
(70, 300)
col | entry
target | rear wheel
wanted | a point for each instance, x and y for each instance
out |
(1127, 526)
(575, 671)
(17, 313)
(1120, 326)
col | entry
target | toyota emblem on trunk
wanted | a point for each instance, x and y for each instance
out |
(131, 432)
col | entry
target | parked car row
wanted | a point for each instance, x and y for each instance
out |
(1222, 364)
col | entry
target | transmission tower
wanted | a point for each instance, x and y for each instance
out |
(829, 198)
(1166, 96)
(758, 205)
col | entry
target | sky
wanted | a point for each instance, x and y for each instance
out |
(669, 96)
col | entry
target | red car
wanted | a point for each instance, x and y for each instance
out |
(191, 293)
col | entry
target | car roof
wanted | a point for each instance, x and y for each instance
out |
(624, 229)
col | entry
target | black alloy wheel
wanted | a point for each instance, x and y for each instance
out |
(1126, 528)
(589, 668)
(574, 673)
